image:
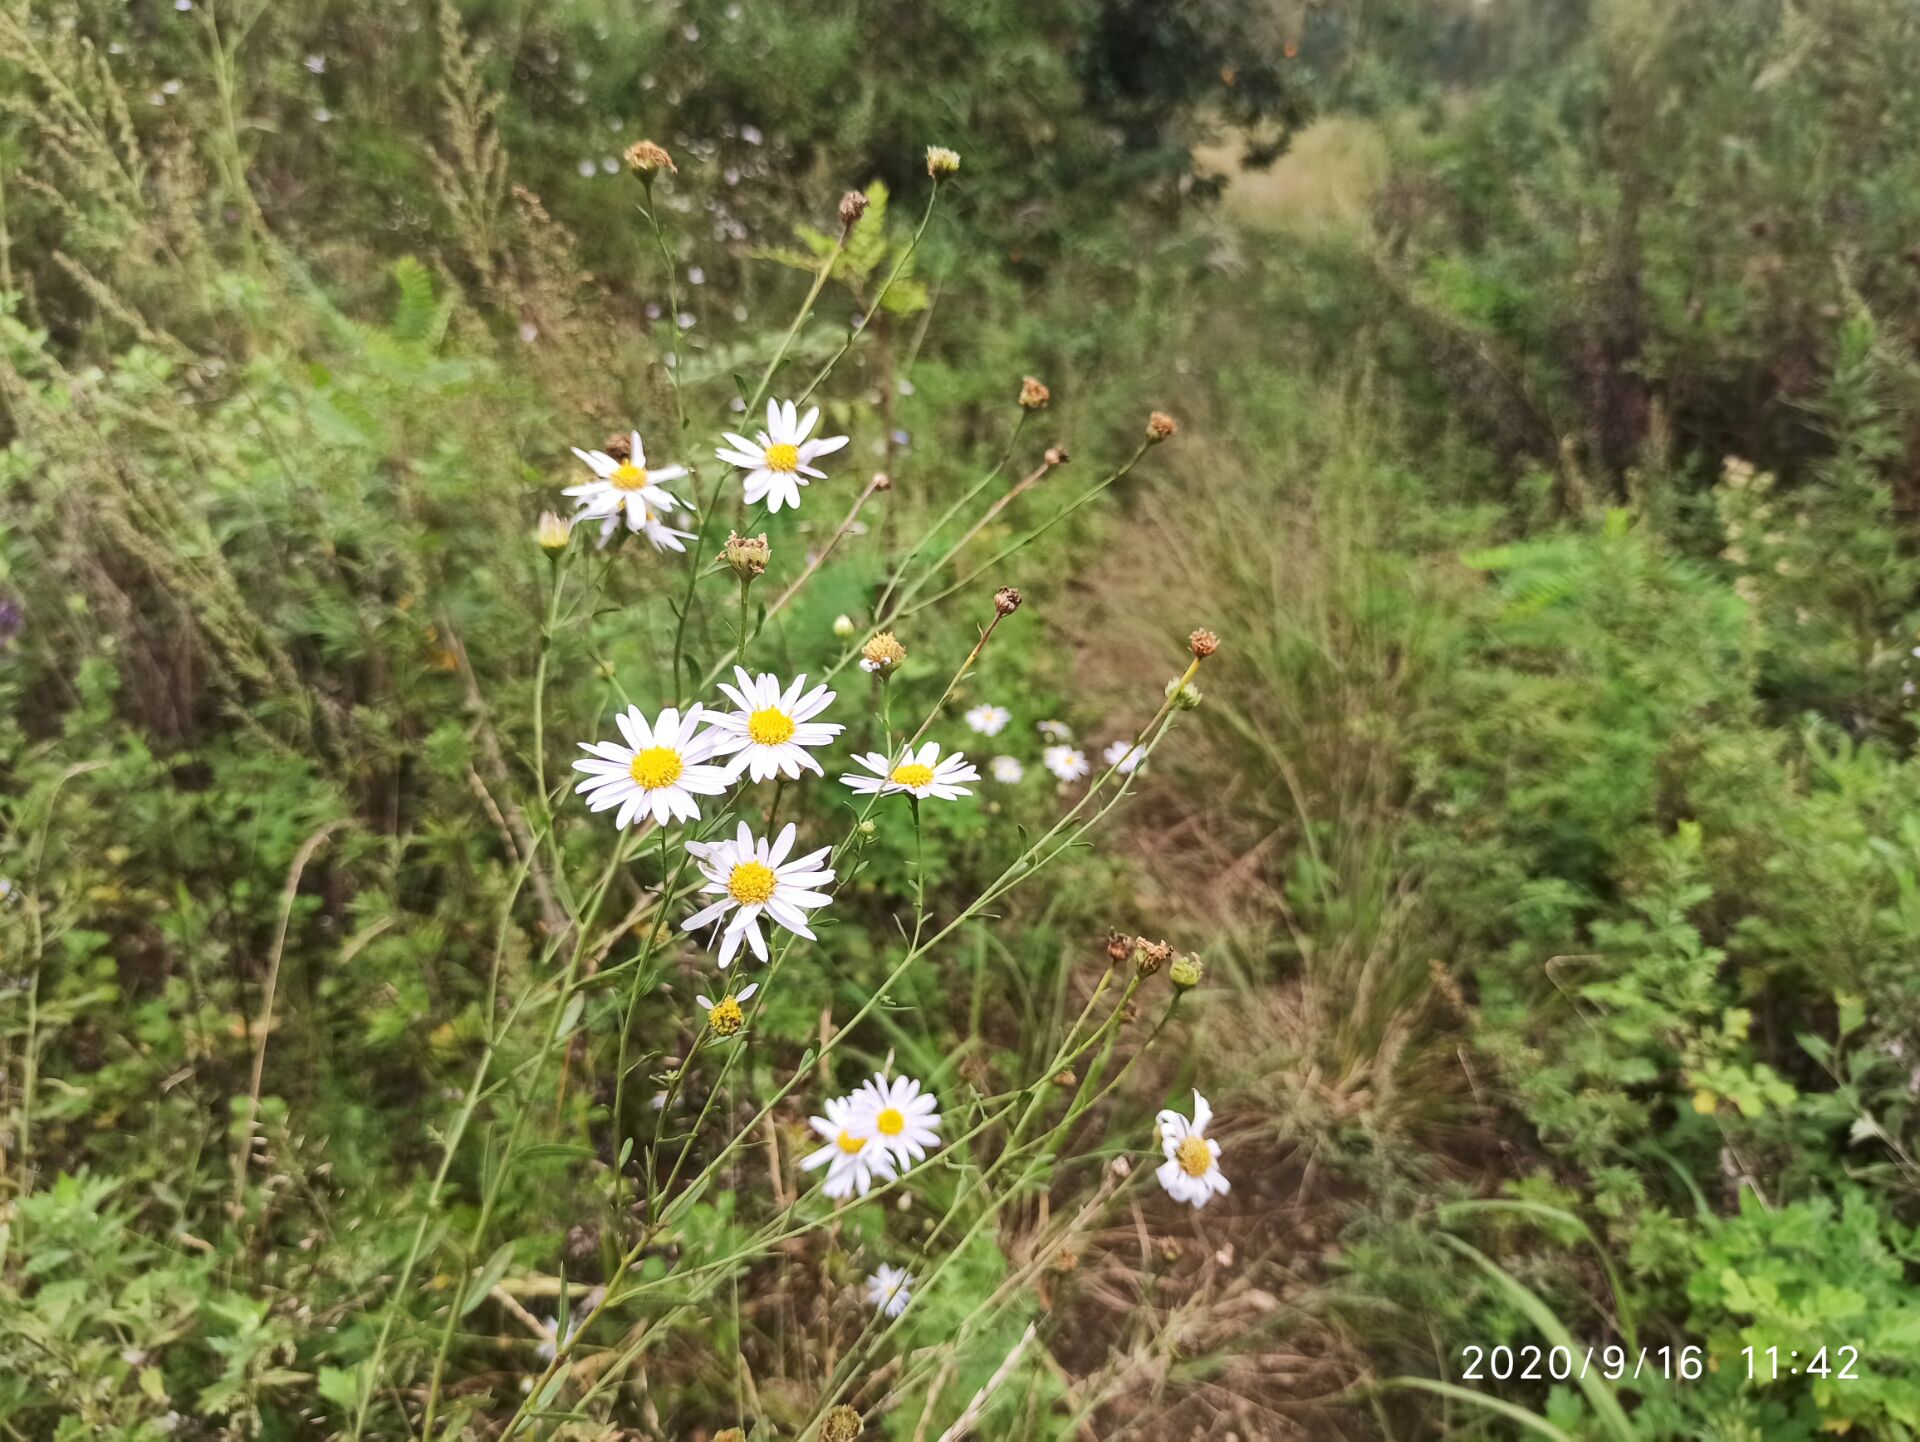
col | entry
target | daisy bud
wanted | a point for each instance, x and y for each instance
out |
(604, 670)
(1185, 973)
(1033, 395)
(747, 555)
(646, 160)
(882, 655)
(1160, 425)
(1119, 947)
(553, 533)
(1007, 600)
(843, 626)
(1203, 643)
(1150, 956)
(1183, 697)
(867, 828)
(853, 205)
(1057, 456)
(882, 481)
(941, 161)
(1122, 1168)
(842, 1424)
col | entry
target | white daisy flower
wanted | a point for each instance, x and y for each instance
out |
(1007, 770)
(656, 773)
(852, 1156)
(988, 720)
(781, 461)
(769, 731)
(906, 1120)
(1054, 730)
(1191, 1173)
(628, 489)
(752, 877)
(919, 774)
(1125, 755)
(890, 1289)
(1068, 763)
(725, 1016)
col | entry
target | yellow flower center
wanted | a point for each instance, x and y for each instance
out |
(1195, 1157)
(726, 1017)
(627, 477)
(751, 883)
(850, 1144)
(911, 774)
(769, 726)
(890, 1122)
(783, 457)
(655, 767)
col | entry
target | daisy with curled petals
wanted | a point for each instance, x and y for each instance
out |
(724, 1016)
(906, 1120)
(918, 774)
(889, 1289)
(656, 773)
(852, 1157)
(781, 461)
(754, 877)
(1191, 1173)
(1067, 763)
(988, 720)
(627, 488)
(770, 730)
(1124, 755)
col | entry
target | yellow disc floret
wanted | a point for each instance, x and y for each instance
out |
(628, 477)
(751, 883)
(655, 767)
(726, 1017)
(769, 726)
(911, 773)
(850, 1144)
(890, 1123)
(1195, 1156)
(783, 457)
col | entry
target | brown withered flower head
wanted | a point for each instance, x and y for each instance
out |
(747, 555)
(646, 160)
(1057, 456)
(1033, 395)
(1160, 425)
(1150, 956)
(1119, 946)
(853, 205)
(1203, 643)
(1007, 600)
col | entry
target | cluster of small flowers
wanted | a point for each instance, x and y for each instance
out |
(880, 1129)
(1067, 762)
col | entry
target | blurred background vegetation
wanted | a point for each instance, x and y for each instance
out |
(1550, 462)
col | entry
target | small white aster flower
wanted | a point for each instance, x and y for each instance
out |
(781, 461)
(1191, 1172)
(770, 730)
(988, 720)
(656, 773)
(906, 1120)
(754, 876)
(1125, 755)
(724, 1015)
(1068, 763)
(919, 774)
(852, 1156)
(1054, 730)
(1007, 770)
(890, 1289)
(628, 489)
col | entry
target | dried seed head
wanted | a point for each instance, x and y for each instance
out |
(553, 533)
(1185, 973)
(1057, 456)
(1203, 643)
(619, 445)
(1067, 1078)
(1119, 946)
(882, 655)
(1007, 600)
(646, 160)
(853, 205)
(842, 1424)
(1033, 395)
(941, 161)
(1150, 956)
(747, 555)
(843, 626)
(1160, 425)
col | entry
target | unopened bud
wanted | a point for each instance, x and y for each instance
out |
(867, 828)
(941, 161)
(853, 205)
(1185, 696)
(1203, 643)
(1057, 456)
(882, 655)
(646, 160)
(1160, 425)
(882, 481)
(747, 555)
(553, 533)
(1033, 395)
(1007, 600)
(843, 626)
(1185, 973)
